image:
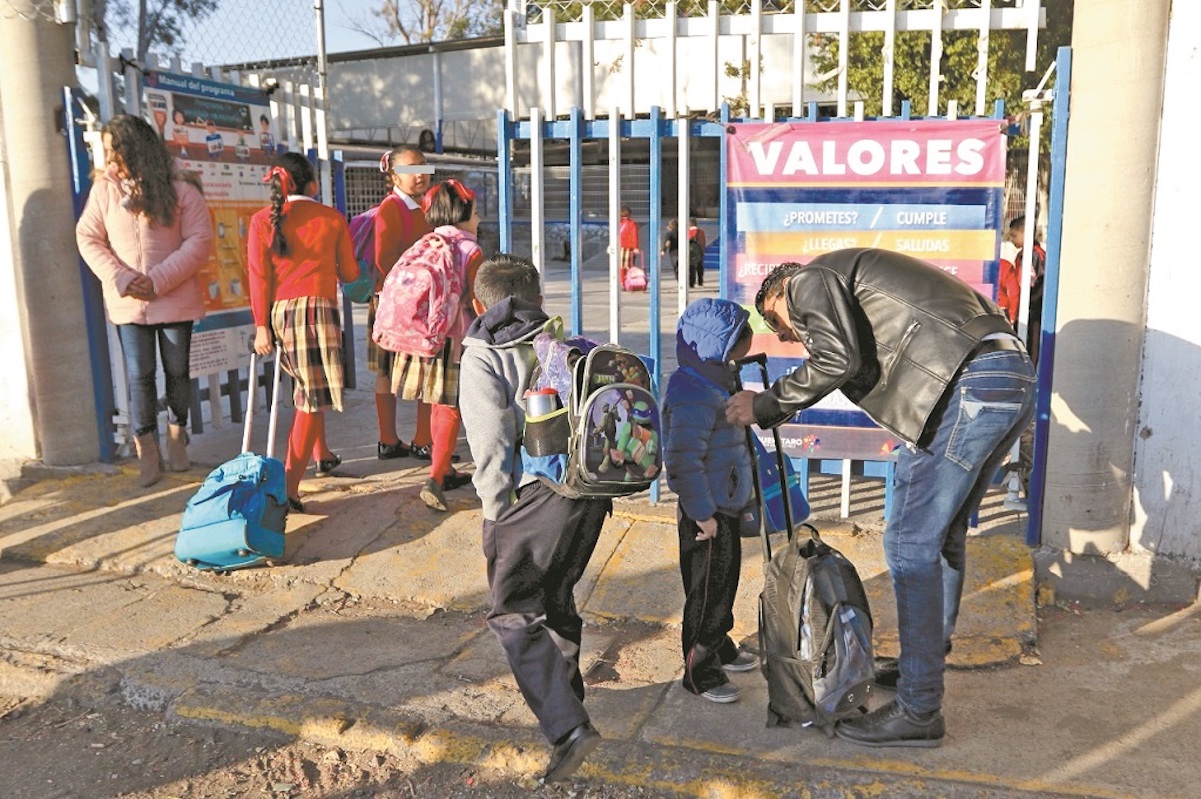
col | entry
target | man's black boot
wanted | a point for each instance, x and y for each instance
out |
(892, 725)
(568, 755)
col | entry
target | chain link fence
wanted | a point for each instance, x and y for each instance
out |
(34, 11)
(571, 10)
(248, 34)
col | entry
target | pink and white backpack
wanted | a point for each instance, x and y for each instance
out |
(420, 300)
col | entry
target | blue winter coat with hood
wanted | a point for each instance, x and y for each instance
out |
(708, 463)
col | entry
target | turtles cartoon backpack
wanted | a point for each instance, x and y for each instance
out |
(603, 437)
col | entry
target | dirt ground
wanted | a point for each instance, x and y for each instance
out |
(76, 748)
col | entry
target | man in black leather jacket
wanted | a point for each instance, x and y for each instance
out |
(937, 364)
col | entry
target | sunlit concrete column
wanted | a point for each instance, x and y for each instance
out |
(46, 374)
(1116, 99)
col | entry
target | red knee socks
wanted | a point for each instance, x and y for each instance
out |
(302, 438)
(446, 421)
(423, 437)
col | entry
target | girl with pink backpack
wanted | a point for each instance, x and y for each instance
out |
(424, 311)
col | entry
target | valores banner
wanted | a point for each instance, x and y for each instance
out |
(930, 188)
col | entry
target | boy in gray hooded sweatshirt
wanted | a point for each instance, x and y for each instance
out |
(537, 543)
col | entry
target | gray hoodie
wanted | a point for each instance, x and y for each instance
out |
(498, 357)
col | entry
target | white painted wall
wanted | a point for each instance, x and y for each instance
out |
(1167, 473)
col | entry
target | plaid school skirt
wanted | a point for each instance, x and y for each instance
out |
(379, 360)
(309, 332)
(434, 380)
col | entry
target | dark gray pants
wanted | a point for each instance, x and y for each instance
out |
(536, 552)
(710, 570)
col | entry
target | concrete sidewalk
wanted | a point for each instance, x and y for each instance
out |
(370, 635)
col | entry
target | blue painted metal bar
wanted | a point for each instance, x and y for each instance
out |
(337, 166)
(504, 180)
(654, 235)
(93, 297)
(1046, 348)
(576, 212)
(906, 110)
(725, 230)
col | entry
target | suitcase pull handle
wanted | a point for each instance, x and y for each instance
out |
(736, 368)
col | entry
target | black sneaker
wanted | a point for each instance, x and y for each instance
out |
(453, 480)
(386, 452)
(892, 725)
(431, 495)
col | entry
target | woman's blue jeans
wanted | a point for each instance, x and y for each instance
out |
(174, 344)
(938, 487)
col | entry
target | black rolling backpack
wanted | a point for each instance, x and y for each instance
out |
(815, 626)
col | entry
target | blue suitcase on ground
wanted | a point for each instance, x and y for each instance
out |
(237, 517)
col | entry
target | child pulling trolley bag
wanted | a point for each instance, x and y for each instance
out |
(237, 517)
(815, 626)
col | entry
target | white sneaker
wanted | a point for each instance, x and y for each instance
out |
(744, 662)
(724, 694)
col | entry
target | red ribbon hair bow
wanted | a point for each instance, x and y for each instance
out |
(286, 184)
(465, 194)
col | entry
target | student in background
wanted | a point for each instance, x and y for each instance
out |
(696, 254)
(627, 240)
(671, 246)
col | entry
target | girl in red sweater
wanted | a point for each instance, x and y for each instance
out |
(298, 251)
(397, 227)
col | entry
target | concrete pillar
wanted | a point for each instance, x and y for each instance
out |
(36, 62)
(1116, 99)
(19, 440)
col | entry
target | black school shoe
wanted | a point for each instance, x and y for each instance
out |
(892, 725)
(427, 452)
(386, 452)
(326, 467)
(453, 480)
(568, 755)
(888, 672)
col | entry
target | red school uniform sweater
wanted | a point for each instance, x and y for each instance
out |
(398, 226)
(319, 255)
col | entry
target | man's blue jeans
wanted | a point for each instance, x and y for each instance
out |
(938, 487)
(174, 344)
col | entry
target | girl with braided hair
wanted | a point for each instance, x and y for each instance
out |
(298, 250)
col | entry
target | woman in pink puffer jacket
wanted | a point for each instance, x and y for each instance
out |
(145, 232)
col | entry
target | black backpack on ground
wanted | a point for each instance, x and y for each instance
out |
(815, 626)
(815, 635)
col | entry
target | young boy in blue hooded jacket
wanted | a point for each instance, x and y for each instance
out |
(709, 467)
